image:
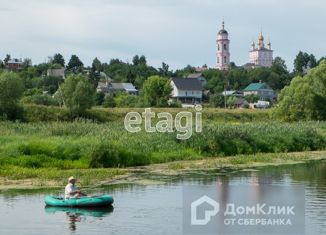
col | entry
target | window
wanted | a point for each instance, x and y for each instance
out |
(218, 47)
(224, 59)
(218, 60)
(224, 46)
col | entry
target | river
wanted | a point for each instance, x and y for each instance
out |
(159, 208)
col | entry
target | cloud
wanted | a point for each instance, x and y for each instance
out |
(178, 32)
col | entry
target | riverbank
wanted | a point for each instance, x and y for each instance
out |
(56, 178)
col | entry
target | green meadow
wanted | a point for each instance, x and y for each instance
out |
(56, 149)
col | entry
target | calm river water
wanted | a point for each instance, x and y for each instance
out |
(157, 209)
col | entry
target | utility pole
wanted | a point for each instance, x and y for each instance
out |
(225, 95)
(226, 86)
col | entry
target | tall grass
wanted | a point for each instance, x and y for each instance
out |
(84, 144)
(39, 113)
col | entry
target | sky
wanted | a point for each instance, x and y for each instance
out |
(177, 32)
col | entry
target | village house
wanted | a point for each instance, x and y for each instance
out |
(262, 90)
(60, 73)
(123, 87)
(108, 87)
(14, 65)
(186, 90)
(200, 78)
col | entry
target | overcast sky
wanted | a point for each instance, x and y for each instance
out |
(178, 32)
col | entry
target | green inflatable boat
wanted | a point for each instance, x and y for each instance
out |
(98, 201)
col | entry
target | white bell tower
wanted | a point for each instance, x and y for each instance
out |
(223, 49)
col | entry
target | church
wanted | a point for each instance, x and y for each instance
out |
(259, 56)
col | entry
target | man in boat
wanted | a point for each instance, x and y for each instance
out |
(71, 191)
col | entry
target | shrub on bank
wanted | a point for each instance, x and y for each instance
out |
(109, 155)
(230, 140)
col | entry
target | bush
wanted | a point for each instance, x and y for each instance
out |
(109, 101)
(109, 155)
(305, 97)
(124, 100)
(78, 94)
(11, 89)
(39, 99)
(230, 140)
(99, 98)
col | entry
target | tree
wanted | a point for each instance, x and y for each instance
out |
(305, 97)
(51, 84)
(94, 75)
(11, 89)
(217, 100)
(279, 67)
(321, 59)
(99, 98)
(252, 98)
(39, 98)
(304, 62)
(78, 94)
(109, 101)
(97, 65)
(164, 71)
(215, 80)
(27, 63)
(185, 71)
(7, 58)
(156, 91)
(58, 59)
(139, 60)
(75, 65)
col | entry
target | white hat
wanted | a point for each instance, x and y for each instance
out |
(71, 178)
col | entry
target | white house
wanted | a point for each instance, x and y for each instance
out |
(186, 90)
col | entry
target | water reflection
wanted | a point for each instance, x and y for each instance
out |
(77, 215)
(157, 209)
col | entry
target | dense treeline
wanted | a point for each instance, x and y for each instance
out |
(32, 85)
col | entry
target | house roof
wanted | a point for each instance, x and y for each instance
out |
(123, 86)
(14, 61)
(256, 87)
(187, 84)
